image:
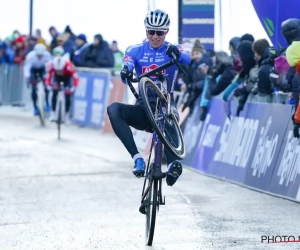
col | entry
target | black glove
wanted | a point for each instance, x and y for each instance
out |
(239, 109)
(240, 91)
(296, 132)
(172, 49)
(203, 113)
(126, 73)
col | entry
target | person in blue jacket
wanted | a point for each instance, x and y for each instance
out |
(143, 58)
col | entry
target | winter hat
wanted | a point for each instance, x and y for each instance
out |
(82, 37)
(247, 37)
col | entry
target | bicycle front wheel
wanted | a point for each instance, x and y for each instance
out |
(151, 211)
(169, 131)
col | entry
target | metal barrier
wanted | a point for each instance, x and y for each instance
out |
(13, 90)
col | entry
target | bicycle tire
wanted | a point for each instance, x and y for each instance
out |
(151, 212)
(59, 119)
(144, 85)
(41, 108)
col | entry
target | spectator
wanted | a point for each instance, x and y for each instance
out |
(247, 37)
(67, 44)
(98, 54)
(4, 58)
(40, 39)
(70, 34)
(53, 32)
(261, 51)
(118, 55)
(81, 46)
(31, 43)
(233, 45)
(20, 50)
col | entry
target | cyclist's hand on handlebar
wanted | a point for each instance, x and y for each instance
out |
(172, 49)
(126, 73)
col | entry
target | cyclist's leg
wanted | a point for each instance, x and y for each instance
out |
(54, 99)
(53, 104)
(34, 97)
(121, 117)
(174, 165)
(43, 74)
(124, 115)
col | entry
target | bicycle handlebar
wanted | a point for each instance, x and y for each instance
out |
(155, 71)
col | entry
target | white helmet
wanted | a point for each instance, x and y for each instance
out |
(40, 49)
(157, 19)
(59, 63)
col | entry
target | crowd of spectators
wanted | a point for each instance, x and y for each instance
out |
(97, 54)
(253, 67)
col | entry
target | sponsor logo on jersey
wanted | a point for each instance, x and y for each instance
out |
(180, 48)
(127, 58)
(146, 69)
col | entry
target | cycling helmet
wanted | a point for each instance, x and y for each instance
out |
(40, 49)
(157, 19)
(59, 63)
(58, 50)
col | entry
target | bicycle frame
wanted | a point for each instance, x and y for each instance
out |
(156, 173)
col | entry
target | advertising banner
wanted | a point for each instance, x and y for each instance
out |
(191, 133)
(267, 146)
(272, 13)
(236, 142)
(209, 136)
(286, 175)
(198, 21)
(90, 99)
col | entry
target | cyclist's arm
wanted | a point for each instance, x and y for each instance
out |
(50, 71)
(184, 57)
(71, 68)
(130, 58)
(28, 64)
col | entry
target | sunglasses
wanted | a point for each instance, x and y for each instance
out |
(158, 32)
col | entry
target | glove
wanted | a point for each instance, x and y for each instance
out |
(203, 113)
(172, 49)
(296, 132)
(126, 73)
(72, 89)
(239, 109)
(48, 87)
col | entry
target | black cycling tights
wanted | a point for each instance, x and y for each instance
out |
(122, 116)
(34, 95)
(54, 100)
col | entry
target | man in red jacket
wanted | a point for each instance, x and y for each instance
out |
(60, 70)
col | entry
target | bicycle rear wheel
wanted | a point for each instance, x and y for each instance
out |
(151, 211)
(170, 134)
(59, 119)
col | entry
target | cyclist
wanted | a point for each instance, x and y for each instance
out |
(61, 69)
(143, 58)
(35, 66)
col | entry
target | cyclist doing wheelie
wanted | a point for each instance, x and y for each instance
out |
(61, 69)
(35, 66)
(143, 58)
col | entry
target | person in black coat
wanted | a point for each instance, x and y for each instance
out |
(98, 54)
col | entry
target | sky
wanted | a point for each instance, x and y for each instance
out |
(122, 20)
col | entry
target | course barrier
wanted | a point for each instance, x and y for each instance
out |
(256, 149)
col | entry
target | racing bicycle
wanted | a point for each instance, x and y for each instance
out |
(40, 88)
(60, 110)
(166, 133)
